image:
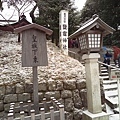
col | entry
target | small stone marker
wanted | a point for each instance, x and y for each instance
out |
(34, 52)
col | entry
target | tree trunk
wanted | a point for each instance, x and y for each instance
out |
(32, 13)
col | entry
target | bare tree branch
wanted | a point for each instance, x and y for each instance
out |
(32, 13)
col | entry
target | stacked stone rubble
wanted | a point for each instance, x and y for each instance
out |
(68, 92)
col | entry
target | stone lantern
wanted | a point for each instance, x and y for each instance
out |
(34, 52)
(90, 38)
(90, 34)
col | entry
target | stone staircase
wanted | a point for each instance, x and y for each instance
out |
(110, 90)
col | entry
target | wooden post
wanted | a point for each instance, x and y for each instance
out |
(22, 115)
(35, 90)
(21, 106)
(109, 72)
(56, 107)
(62, 116)
(45, 105)
(29, 106)
(10, 116)
(42, 114)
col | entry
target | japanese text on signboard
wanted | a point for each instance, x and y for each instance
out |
(34, 49)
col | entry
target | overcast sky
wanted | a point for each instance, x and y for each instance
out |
(80, 3)
(7, 13)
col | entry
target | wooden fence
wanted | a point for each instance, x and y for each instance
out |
(52, 110)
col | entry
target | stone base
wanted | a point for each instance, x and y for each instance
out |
(99, 116)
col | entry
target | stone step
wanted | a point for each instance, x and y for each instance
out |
(103, 70)
(115, 99)
(113, 93)
(109, 82)
(104, 74)
(113, 104)
(104, 77)
(110, 87)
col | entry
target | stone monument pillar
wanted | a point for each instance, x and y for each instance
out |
(94, 111)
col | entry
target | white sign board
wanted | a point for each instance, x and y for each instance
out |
(63, 31)
(115, 74)
(34, 50)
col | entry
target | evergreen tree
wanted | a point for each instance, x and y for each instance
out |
(49, 15)
(108, 11)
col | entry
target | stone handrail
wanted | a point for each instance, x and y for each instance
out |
(109, 68)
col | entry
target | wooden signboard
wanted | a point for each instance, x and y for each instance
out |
(34, 50)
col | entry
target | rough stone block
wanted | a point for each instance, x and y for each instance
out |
(1, 95)
(29, 87)
(19, 88)
(81, 84)
(2, 89)
(42, 86)
(77, 100)
(66, 94)
(10, 89)
(51, 85)
(59, 85)
(77, 114)
(23, 97)
(83, 95)
(68, 116)
(1, 106)
(55, 94)
(6, 107)
(69, 84)
(10, 98)
(40, 96)
(2, 115)
(69, 105)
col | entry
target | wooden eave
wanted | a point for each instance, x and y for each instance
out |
(86, 27)
(7, 20)
(33, 26)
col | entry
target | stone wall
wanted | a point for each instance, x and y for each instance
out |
(63, 78)
(71, 92)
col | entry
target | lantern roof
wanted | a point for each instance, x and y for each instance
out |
(33, 26)
(95, 21)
